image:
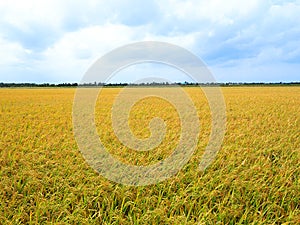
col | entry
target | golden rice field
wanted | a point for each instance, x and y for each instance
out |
(255, 178)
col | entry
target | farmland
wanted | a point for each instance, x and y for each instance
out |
(253, 180)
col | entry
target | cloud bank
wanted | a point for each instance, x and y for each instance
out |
(240, 41)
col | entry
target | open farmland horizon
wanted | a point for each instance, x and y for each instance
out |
(162, 84)
(150, 112)
(254, 178)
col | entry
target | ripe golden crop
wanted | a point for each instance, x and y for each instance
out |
(254, 179)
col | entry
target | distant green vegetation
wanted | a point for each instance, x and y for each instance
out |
(147, 84)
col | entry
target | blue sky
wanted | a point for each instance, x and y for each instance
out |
(240, 41)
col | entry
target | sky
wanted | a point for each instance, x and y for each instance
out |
(239, 41)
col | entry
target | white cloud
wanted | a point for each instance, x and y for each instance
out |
(70, 56)
(10, 52)
(22, 14)
(76, 51)
(214, 11)
(58, 40)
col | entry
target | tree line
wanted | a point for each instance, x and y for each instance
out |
(93, 84)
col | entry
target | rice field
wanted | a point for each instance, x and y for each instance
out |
(255, 178)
